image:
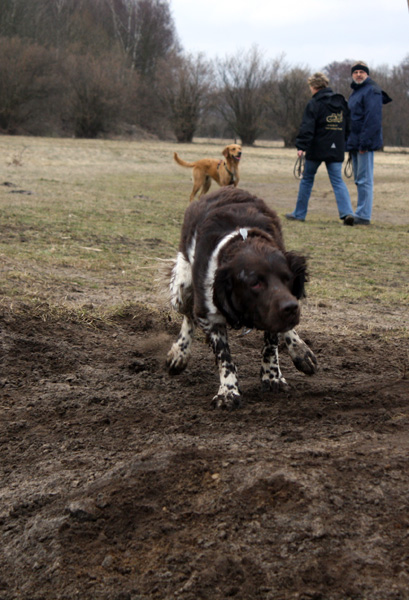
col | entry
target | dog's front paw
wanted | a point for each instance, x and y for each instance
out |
(305, 361)
(227, 401)
(269, 384)
(302, 356)
(176, 362)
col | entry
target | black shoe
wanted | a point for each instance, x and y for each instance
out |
(359, 221)
(349, 220)
(291, 217)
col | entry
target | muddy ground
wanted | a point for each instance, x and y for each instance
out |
(121, 483)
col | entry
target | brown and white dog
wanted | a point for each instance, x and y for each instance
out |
(232, 269)
(224, 172)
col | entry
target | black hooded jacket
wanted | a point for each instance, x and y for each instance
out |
(324, 127)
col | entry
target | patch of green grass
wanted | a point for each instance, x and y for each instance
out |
(102, 215)
(354, 262)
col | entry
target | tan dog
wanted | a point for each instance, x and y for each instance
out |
(224, 172)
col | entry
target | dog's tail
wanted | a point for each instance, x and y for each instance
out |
(181, 162)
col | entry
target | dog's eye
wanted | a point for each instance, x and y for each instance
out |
(256, 284)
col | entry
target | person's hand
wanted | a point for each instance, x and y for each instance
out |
(300, 153)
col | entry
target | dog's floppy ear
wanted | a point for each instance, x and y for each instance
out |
(298, 267)
(226, 152)
(222, 297)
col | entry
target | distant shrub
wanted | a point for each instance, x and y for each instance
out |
(27, 80)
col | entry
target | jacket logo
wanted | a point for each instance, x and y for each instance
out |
(335, 118)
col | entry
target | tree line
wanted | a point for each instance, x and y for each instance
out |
(93, 68)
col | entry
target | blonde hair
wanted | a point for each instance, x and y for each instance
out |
(318, 81)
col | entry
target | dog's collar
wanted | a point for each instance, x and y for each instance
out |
(243, 232)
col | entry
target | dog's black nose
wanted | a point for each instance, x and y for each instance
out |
(288, 308)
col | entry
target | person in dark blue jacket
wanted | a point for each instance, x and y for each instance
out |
(365, 136)
(321, 137)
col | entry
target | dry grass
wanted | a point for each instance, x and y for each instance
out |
(83, 223)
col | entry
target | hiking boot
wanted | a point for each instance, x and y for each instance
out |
(359, 221)
(349, 220)
(291, 217)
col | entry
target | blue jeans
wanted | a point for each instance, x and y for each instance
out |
(362, 165)
(334, 170)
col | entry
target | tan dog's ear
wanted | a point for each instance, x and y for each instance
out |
(226, 151)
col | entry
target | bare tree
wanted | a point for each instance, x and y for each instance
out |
(145, 31)
(185, 88)
(96, 94)
(244, 79)
(288, 98)
(339, 75)
(59, 23)
(395, 120)
(399, 110)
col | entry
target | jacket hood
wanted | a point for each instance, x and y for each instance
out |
(335, 102)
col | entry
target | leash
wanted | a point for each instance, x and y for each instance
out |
(299, 167)
(300, 164)
(348, 170)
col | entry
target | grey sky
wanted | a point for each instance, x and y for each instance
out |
(309, 33)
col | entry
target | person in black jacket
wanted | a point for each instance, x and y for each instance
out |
(321, 137)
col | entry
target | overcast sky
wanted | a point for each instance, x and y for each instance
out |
(310, 33)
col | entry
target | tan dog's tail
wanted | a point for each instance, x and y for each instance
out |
(181, 162)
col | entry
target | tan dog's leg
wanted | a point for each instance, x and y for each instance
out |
(199, 182)
(206, 186)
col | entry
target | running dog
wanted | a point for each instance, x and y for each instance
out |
(232, 269)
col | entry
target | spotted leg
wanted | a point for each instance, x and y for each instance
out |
(178, 356)
(228, 395)
(303, 358)
(271, 377)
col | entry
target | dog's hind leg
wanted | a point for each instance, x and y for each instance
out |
(199, 181)
(206, 186)
(180, 286)
(181, 294)
(270, 373)
(303, 358)
(179, 354)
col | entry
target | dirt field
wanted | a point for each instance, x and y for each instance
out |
(121, 483)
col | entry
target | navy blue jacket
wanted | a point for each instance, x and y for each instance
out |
(365, 104)
(324, 127)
